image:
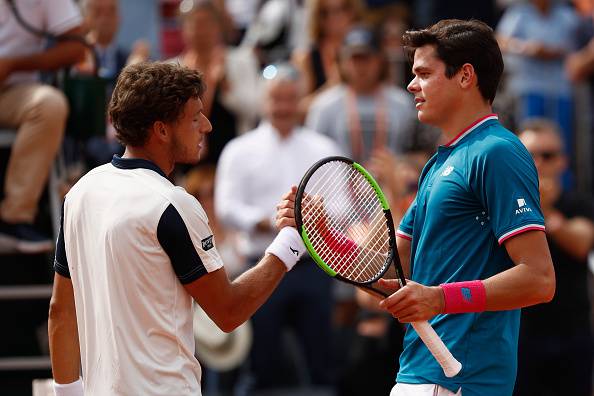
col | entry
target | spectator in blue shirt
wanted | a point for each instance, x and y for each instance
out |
(537, 36)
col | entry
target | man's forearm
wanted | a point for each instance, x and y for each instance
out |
(64, 348)
(255, 286)
(62, 55)
(516, 287)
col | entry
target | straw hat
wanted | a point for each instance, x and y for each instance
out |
(219, 350)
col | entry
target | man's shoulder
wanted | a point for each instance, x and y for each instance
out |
(184, 203)
(247, 142)
(330, 97)
(497, 150)
(179, 197)
(495, 140)
(90, 177)
(398, 95)
(317, 141)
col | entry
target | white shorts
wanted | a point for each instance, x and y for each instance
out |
(422, 390)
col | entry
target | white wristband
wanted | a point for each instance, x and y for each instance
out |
(287, 246)
(73, 389)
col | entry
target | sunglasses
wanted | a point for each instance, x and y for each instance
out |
(546, 155)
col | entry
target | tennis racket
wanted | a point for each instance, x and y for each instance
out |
(345, 222)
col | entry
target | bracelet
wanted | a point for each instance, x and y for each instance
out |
(463, 297)
(73, 389)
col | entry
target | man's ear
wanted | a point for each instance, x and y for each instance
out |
(161, 131)
(467, 76)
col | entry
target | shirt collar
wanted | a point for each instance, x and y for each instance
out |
(274, 134)
(135, 163)
(472, 127)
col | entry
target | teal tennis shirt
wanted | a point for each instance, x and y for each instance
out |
(474, 193)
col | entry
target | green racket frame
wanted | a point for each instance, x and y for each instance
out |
(393, 254)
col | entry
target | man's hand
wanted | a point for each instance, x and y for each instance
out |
(141, 52)
(412, 303)
(285, 210)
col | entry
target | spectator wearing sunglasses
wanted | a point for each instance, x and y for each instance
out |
(556, 346)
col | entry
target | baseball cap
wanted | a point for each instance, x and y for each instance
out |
(360, 40)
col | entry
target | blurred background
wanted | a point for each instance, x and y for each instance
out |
(351, 74)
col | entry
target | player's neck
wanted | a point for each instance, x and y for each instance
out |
(143, 153)
(462, 119)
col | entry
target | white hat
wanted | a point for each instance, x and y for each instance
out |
(219, 350)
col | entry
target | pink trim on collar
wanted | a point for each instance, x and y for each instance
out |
(471, 128)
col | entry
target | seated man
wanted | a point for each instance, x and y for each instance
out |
(37, 111)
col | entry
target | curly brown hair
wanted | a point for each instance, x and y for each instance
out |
(148, 92)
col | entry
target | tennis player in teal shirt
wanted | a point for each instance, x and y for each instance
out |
(472, 242)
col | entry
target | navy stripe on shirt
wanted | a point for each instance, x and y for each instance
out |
(175, 239)
(60, 261)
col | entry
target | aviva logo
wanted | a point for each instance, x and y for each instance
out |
(522, 208)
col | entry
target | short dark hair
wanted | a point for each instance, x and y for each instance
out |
(458, 42)
(147, 92)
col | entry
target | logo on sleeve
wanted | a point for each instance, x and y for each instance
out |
(207, 243)
(522, 208)
(447, 171)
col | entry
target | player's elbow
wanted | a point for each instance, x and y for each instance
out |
(229, 328)
(546, 285)
(228, 319)
(59, 312)
(228, 324)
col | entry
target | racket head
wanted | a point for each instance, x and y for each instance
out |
(356, 242)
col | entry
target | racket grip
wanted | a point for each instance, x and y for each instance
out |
(442, 354)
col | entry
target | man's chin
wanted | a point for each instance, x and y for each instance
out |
(189, 161)
(424, 118)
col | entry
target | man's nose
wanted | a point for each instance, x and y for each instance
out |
(413, 86)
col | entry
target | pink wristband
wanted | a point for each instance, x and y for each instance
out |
(462, 297)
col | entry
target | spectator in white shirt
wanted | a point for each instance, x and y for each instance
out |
(252, 169)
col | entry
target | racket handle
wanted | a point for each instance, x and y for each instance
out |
(442, 354)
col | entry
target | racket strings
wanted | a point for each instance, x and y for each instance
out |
(364, 262)
(345, 202)
(358, 190)
(338, 206)
(335, 207)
